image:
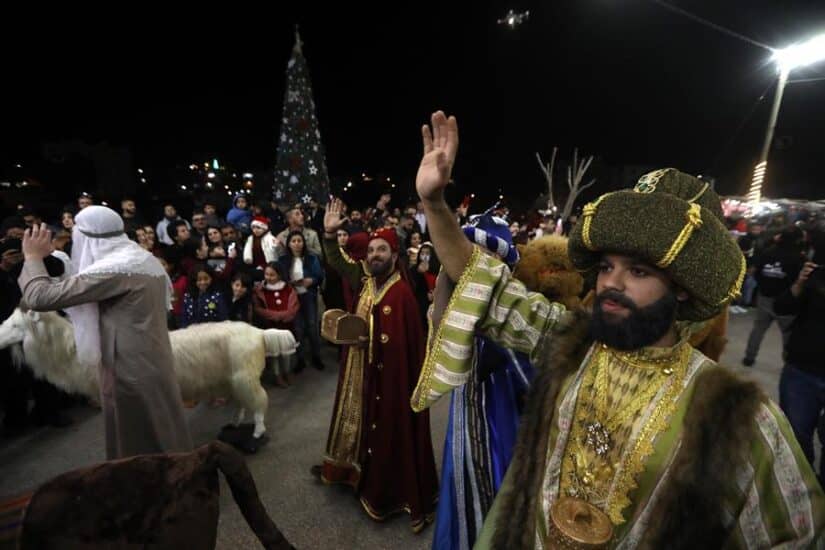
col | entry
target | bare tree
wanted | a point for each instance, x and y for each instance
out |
(547, 170)
(575, 175)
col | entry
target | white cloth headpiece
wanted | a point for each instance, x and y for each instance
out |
(100, 247)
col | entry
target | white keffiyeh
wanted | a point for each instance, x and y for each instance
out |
(101, 247)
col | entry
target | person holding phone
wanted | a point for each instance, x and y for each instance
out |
(802, 384)
(17, 383)
(12, 380)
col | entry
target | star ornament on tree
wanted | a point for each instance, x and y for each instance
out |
(313, 170)
(306, 199)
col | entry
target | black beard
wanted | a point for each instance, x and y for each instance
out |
(642, 327)
(382, 269)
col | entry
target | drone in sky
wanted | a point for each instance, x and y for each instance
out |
(514, 19)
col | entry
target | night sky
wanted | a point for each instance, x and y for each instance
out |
(625, 80)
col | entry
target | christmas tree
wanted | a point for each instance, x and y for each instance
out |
(301, 170)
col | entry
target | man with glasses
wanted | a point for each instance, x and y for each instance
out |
(199, 226)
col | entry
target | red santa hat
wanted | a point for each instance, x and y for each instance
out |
(261, 222)
(388, 234)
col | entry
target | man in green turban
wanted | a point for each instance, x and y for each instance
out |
(630, 437)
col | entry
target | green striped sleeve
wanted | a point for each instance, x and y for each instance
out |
(486, 301)
(781, 502)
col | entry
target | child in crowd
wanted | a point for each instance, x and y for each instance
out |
(241, 307)
(204, 302)
(239, 215)
(424, 276)
(276, 306)
(261, 248)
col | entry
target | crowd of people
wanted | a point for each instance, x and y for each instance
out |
(262, 264)
(584, 409)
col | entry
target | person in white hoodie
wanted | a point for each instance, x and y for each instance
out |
(261, 247)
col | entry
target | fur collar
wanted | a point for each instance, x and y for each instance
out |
(269, 245)
(718, 425)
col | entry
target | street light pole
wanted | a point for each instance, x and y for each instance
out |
(798, 55)
(777, 100)
(755, 193)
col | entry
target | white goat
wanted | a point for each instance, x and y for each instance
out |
(211, 359)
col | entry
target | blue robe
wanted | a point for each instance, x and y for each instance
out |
(481, 434)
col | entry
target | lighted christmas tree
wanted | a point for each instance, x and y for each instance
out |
(301, 170)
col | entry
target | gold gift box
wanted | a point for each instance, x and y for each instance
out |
(340, 327)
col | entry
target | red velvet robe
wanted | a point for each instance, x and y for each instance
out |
(376, 443)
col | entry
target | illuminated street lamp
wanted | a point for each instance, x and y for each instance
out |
(787, 59)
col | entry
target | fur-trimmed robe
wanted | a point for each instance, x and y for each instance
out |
(268, 244)
(718, 429)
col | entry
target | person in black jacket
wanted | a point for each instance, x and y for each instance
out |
(802, 385)
(18, 383)
(775, 271)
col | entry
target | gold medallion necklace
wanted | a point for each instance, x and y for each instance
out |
(593, 437)
(598, 431)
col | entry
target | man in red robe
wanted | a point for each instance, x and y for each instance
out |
(376, 443)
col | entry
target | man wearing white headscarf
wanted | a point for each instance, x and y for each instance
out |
(117, 298)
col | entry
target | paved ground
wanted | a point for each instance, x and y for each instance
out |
(311, 515)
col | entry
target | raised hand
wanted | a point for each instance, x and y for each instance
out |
(383, 201)
(805, 274)
(37, 242)
(802, 279)
(440, 148)
(333, 219)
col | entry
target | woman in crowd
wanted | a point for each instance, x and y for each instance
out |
(150, 240)
(413, 244)
(304, 273)
(423, 276)
(67, 220)
(216, 251)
